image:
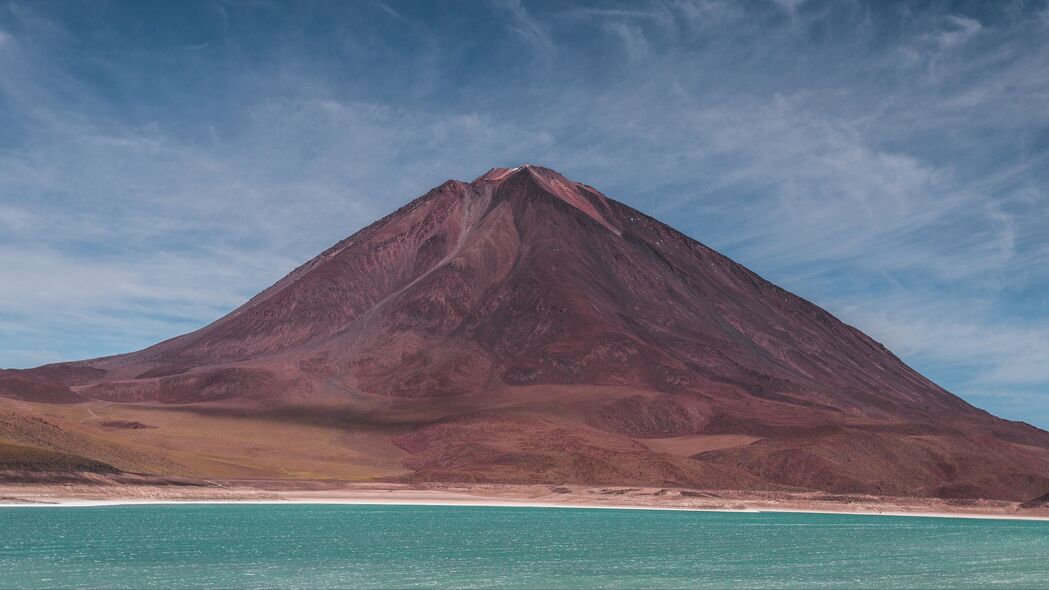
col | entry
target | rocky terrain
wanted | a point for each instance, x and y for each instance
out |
(524, 329)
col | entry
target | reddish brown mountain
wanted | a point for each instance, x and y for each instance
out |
(524, 327)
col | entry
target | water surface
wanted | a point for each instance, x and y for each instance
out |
(323, 546)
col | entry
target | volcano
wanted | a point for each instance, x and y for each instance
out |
(525, 328)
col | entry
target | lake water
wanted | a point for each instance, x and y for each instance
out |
(318, 546)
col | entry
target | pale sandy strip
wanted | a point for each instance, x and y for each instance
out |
(510, 504)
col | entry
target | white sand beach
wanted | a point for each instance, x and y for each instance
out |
(494, 495)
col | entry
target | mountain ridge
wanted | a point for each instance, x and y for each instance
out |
(523, 327)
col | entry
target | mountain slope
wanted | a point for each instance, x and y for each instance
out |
(524, 327)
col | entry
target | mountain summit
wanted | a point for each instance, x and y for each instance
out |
(524, 327)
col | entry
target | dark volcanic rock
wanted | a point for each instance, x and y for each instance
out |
(1039, 502)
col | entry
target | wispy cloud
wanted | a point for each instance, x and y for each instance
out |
(530, 30)
(957, 336)
(956, 30)
(791, 6)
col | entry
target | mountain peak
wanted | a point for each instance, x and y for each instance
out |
(500, 174)
(553, 183)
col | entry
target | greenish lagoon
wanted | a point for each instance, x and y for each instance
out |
(353, 546)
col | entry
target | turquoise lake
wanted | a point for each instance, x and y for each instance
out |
(327, 546)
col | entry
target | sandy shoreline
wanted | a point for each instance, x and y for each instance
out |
(493, 495)
(494, 504)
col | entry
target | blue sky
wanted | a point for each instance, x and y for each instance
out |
(160, 162)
